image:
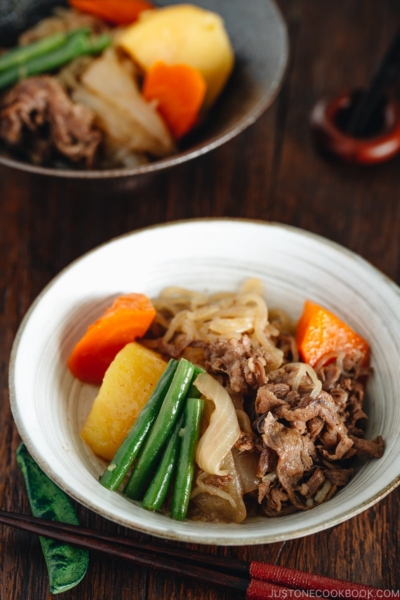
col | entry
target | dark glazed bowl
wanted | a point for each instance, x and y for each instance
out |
(259, 37)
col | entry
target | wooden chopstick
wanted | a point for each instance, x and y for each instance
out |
(124, 548)
(258, 580)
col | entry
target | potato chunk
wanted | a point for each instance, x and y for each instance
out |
(182, 34)
(127, 385)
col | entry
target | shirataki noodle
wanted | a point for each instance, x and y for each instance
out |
(192, 316)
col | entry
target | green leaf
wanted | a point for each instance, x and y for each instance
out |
(66, 565)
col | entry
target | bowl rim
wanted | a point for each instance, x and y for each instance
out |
(185, 155)
(190, 537)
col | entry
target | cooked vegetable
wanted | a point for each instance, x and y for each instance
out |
(158, 488)
(321, 333)
(193, 391)
(127, 452)
(127, 319)
(179, 92)
(223, 429)
(182, 35)
(250, 455)
(66, 565)
(128, 384)
(246, 464)
(221, 503)
(22, 54)
(78, 44)
(304, 369)
(194, 316)
(110, 89)
(159, 433)
(118, 12)
(129, 449)
(184, 478)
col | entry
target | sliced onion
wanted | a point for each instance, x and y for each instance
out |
(223, 429)
(253, 285)
(321, 494)
(227, 327)
(244, 420)
(270, 477)
(212, 490)
(325, 359)
(305, 369)
(221, 504)
(107, 78)
(299, 376)
(246, 464)
(339, 356)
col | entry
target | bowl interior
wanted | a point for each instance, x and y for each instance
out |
(259, 37)
(50, 406)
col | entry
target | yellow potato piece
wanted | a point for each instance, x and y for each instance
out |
(127, 385)
(183, 34)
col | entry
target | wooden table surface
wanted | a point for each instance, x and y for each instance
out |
(269, 172)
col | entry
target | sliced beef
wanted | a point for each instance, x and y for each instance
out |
(335, 439)
(276, 503)
(39, 119)
(313, 484)
(267, 462)
(279, 498)
(307, 436)
(338, 476)
(347, 389)
(263, 490)
(271, 396)
(295, 454)
(218, 481)
(315, 426)
(245, 442)
(287, 344)
(329, 375)
(244, 365)
(371, 448)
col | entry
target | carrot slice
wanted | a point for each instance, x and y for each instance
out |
(127, 319)
(118, 12)
(179, 91)
(320, 332)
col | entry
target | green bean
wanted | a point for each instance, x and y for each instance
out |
(167, 417)
(159, 486)
(184, 477)
(78, 44)
(129, 449)
(22, 54)
(193, 391)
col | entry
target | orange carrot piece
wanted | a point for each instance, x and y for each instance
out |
(127, 319)
(319, 333)
(179, 91)
(117, 12)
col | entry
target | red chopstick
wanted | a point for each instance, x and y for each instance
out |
(259, 581)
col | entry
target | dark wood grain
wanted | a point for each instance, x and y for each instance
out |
(271, 172)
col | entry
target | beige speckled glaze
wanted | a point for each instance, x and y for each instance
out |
(49, 406)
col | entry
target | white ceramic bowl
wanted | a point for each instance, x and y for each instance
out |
(49, 405)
